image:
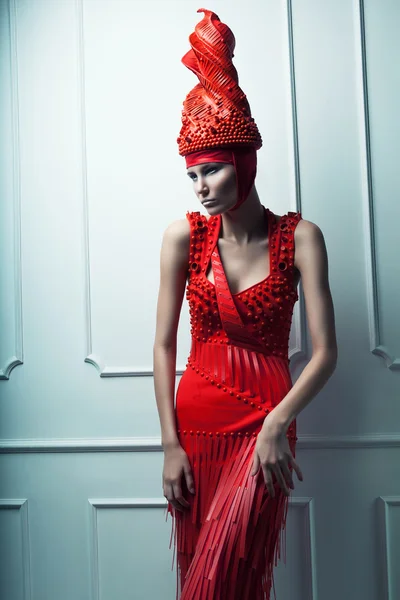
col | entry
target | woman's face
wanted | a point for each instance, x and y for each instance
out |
(215, 186)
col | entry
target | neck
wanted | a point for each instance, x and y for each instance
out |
(246, 223)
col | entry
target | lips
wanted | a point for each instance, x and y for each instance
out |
(209, 201)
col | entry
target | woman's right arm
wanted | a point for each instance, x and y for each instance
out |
(174, 262)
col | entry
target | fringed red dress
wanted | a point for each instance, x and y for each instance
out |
(229, 540)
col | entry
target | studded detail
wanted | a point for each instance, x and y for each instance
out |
(265, 309)
(291, 434)
(245, 396)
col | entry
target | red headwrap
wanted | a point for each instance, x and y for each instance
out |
(243, 159)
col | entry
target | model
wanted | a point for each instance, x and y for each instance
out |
(230, 439)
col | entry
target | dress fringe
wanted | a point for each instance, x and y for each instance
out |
(229, 541)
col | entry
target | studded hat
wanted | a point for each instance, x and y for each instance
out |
(215, 112)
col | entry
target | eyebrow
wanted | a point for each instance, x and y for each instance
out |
(204, 166)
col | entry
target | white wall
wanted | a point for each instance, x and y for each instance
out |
(90, 105)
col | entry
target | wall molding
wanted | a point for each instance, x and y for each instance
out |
(307, 504)
(93, 358)
(298, 354)
(22, 505)
(17, 358)
(376, 345)
(384, 503)
(100, 503)
(153, 444)
(128, 371)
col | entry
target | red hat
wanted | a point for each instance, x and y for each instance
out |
(216, 112)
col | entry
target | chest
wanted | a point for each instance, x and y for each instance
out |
(265, 263)
(244, 266)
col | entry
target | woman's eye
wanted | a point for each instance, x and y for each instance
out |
(207, 172)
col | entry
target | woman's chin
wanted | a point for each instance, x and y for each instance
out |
(212, 208)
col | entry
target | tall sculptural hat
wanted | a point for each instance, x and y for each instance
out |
(215, 112)
(217, 125)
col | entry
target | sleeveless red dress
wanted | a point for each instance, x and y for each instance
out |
(230, 538)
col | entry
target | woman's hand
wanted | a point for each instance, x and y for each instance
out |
(176, 462)
(273, 454)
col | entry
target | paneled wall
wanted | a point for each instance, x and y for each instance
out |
(91, 96)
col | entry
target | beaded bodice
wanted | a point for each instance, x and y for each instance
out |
(264, 310)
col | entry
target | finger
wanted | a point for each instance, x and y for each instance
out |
(189, 479)
(167, 491)
(178, 495)
(268, 480)
(256, 464)
(287, 474)
(176, 505)
(298, 470)
(170, 497)
(280, 478)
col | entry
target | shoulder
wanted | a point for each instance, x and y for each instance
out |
(178, 230)
(177, 234)
(309, 243)
(303, 230)
(307, 232)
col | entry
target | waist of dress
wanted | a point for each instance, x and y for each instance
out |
(253, 373)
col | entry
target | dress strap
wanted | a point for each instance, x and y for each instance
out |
(230, 318)
(203, 243)
(284, 241)
(198, 235)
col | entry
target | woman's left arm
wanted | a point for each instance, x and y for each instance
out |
(312, 261)
(272, 452)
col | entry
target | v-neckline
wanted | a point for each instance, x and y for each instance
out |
(269, 214)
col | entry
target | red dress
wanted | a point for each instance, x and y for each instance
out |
(229, 540)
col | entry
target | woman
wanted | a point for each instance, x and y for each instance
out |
(229, 443)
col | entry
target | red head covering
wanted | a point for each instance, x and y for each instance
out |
(243, 159)
(216, 114)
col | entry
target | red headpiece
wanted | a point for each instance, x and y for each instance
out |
(216, 111)
(217, 125)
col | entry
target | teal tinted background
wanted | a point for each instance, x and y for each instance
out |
(91, 94)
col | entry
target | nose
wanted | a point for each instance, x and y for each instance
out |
(201, 186)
